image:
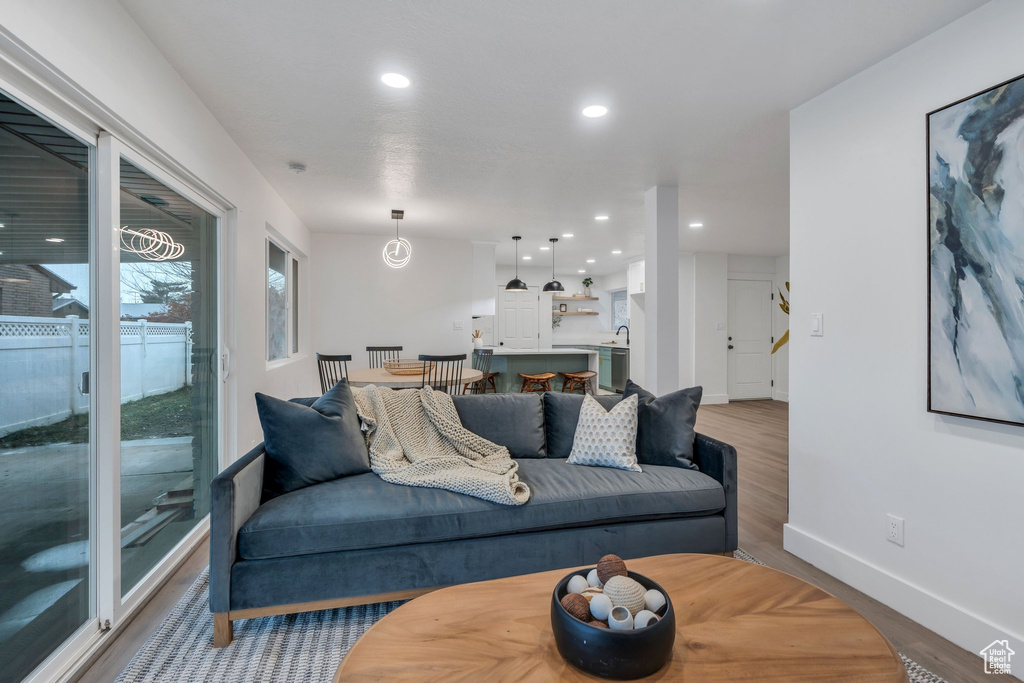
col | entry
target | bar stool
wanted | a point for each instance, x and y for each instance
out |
(578, 380)
(538, 382)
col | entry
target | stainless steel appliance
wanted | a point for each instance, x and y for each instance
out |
(620, 369)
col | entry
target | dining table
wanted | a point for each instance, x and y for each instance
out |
(382, 378)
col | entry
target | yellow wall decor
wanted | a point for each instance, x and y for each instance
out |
(784, 305)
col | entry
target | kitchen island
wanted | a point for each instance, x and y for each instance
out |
(510, 362)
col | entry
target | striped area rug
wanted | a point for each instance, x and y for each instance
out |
(303, 647)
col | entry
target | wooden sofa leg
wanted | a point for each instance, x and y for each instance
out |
(223, 631)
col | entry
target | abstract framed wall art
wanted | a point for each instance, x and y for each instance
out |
(976, 256)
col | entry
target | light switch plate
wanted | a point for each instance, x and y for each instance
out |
(456, 324)
(817, 324)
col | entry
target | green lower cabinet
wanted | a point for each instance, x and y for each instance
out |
(604, 373)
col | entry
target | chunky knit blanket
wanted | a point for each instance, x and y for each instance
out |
(416, 438)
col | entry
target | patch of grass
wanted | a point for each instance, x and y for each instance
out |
(161, 416)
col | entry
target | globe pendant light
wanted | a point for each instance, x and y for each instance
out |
(515, 284)
(554, 285)
(398, 251)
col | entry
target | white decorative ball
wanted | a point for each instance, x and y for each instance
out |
(592, 578)
(577, 584)
(654, 600)
(626, 592)
(644, 618)
(600, 606)
(619, 619)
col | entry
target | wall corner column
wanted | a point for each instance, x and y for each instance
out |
(661, 256)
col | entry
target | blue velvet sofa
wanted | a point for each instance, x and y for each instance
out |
(358, 539)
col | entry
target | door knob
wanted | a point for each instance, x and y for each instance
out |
(730, 338)
(730, 346)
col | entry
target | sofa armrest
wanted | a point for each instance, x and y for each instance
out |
(718, 460)
(235, 494)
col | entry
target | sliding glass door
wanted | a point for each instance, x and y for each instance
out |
(109, 383)
(169, 377)
(45, 418)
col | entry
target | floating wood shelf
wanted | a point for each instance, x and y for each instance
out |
(575, 298)
(573, 312)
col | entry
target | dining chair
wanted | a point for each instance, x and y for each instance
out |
(481, 362)
(379, 354)
(332, 369)
(443, 373)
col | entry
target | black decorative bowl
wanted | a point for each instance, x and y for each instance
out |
(608, 653)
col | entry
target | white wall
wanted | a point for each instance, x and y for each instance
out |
(98, 46)
(711, 311)
(687, 303)
(360, 301)
(862, 444)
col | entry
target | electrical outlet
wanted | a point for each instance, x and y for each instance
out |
(456, 324)
(894, 529)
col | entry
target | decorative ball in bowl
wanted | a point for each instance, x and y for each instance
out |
(612, 622)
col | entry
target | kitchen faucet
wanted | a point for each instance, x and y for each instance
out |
(627, 332)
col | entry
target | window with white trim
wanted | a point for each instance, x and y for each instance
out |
(282, 302)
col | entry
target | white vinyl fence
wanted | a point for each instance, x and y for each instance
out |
(42, 361)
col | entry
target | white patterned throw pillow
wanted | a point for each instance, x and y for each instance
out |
(606, 438)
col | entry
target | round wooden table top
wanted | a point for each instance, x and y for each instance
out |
(383, 378)
(734, 621)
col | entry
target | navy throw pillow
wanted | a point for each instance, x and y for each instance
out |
(309, 445)
(665, 425)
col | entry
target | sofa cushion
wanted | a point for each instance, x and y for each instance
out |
(310, 444)
(666, 425)
(515, 421)
(561, 413)
(606, 438)
(363, 511)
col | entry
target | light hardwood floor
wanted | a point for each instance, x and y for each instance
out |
(760, 432)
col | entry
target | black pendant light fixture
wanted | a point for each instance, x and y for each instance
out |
(554, 285)
(515, 284)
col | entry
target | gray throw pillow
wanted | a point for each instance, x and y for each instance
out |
(665, 425)
(309, 445)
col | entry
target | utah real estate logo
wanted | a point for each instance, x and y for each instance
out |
(997, 657)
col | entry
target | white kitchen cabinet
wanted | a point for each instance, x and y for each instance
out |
(635, 278)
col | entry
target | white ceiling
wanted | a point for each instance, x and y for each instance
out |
(489, 141)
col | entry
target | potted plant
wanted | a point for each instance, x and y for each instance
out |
(587, 281)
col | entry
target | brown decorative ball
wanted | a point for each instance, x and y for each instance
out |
(609, 566)
(576, 605)
(589, 593)
(598, 624)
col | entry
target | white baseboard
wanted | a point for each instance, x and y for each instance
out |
(714, 398)
(968, 630)
(781, 396)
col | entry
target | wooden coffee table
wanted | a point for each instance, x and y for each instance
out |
(734, 621)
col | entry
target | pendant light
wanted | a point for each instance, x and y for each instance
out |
(554, 285)
(398, 251)
(515, 284)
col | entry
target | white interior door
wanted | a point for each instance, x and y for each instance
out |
(517, 319)
(750, 339)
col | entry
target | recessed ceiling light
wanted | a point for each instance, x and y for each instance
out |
(616, 251)
(595, 111)
(545, 248)
(527, 258)
(581, 271)
(696, 225)
(1, 225)
(600, 218)
(395, 80)
(567, 234)
(55, 240)
(590, 260)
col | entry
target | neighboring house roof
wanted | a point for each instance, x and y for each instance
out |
(57, 284)
(137, 311)
(63, 302)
